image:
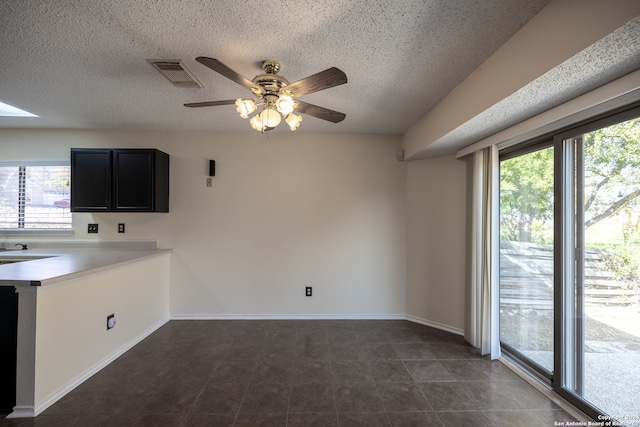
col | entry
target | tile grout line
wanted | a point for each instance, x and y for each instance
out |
(295, 342)
(186, 415)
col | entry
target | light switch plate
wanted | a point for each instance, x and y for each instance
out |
(92, 228)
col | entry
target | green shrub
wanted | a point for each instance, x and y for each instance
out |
(623, 261)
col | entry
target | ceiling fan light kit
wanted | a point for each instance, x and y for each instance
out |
(276, 95)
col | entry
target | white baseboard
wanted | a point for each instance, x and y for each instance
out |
(318, 317)
(22, 412)
(288, 317)
(39, 407)
(436, 325)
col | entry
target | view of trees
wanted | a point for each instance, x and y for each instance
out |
(526, 196)
(612, 184)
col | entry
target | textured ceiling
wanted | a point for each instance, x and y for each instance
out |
(83, 64)
(611, 57)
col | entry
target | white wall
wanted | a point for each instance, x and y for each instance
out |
(436, 191)
(74, 314)
(286, 210)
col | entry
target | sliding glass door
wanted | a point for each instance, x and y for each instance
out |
(601, 305)
(570, 262)
(526, 257)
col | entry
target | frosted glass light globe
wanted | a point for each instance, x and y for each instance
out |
(244, 107)
(270, 117)
(256, 123)
(293, 121)
(285, 104)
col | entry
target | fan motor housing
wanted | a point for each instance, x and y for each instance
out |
(270, 82)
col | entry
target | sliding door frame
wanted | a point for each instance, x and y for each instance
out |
(542, 373)
(568, 254)
(569, 261)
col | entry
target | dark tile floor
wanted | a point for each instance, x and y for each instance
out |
(301, 373)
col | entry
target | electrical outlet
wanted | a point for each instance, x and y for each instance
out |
(208, 182)
(111, 321)
(120, 228)
(307, 291)
(92, 228)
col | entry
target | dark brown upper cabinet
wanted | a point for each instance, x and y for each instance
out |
(119, 180)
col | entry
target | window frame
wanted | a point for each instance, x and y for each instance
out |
(528, 147)
(38, 231)
(564, 251)
(564, 266)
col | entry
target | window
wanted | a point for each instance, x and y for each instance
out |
(35, 196)
(601, 274)
(526, 257)
(570, 261)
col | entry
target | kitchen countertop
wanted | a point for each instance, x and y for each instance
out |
(55, 265)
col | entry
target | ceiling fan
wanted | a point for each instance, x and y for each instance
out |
(276, 95)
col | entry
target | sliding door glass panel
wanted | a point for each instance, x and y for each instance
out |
(605, 335)
(526, 258)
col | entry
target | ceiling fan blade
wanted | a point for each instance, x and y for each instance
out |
(211, 103)
(320, 112)
(219, 67)
(323, 80)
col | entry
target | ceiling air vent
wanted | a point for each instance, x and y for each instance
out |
(176, 72)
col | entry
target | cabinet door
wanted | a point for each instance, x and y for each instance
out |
(90, 180)
(133, 180)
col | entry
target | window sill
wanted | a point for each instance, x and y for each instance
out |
(35, 232)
